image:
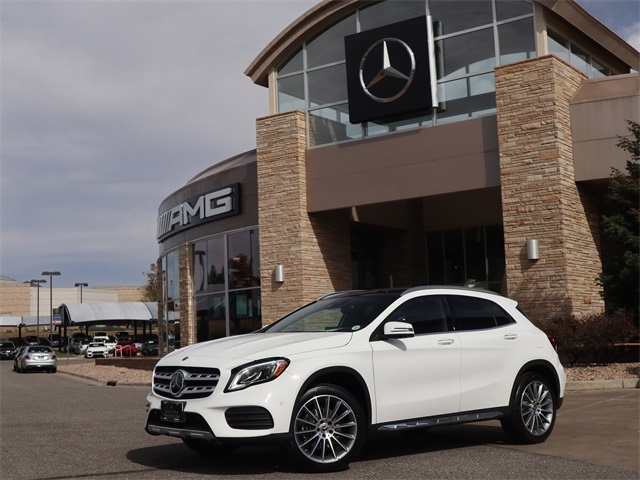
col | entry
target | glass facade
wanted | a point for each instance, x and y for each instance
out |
(472, 38)
(576, 56)
(171, 291)
(467, 257)
(226, 272)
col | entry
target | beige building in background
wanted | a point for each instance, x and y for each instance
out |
(21, 299)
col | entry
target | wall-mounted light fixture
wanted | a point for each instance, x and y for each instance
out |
(279, 273)
(533, 252)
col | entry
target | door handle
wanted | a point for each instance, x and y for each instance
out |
(446, 341)
(510, 336)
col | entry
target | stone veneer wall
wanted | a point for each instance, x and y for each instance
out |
(314, 249)
(540, 199)
(187, 296)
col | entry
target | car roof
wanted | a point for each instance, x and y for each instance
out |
(405, 291)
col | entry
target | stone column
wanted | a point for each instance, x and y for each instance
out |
(313, 249)
(187, 297)
(540, 198)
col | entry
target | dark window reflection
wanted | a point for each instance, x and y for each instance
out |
(210, 317)
(243, 264)
(244, 311)
(469, 257)
(238, 284)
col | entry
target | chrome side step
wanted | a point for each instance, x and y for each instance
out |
(179, 432)
(438, 421)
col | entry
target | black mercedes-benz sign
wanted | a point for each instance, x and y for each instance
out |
(388, 71)
(176, 383)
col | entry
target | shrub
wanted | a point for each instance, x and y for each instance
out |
(592, 336)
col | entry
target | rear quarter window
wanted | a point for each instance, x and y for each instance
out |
(473, 313)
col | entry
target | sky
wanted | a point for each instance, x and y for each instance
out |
(108, 107)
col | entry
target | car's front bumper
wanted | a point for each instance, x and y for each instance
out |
(255, 412)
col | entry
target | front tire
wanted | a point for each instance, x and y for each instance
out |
(327, 429)
(533, 410)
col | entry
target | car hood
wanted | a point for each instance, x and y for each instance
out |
(255, 346)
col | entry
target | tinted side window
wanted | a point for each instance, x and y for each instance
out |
(426, 314)
(470, 313)
(502, 317)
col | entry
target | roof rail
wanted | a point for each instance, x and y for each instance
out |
(450, 287)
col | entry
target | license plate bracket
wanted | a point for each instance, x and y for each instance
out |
(172, 412)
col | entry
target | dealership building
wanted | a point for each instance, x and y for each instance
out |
(409, 143)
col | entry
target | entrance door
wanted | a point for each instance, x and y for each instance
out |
(367, 249)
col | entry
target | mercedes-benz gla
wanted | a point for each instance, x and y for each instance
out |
(322, 378)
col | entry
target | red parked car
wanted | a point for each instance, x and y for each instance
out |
(126, 348)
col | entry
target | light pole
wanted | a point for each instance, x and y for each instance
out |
(37, 284)
(81, 285)
(51, 274)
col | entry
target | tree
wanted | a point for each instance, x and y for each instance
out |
(151, 287)
(620, 275)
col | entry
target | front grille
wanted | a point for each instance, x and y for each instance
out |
(249, 418)
(198, 382)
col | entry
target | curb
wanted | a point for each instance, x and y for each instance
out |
(112, 383)
(578, 386)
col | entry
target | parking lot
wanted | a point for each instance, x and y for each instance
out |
(54, 426)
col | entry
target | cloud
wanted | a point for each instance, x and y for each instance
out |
(631, 34)
(107, 108)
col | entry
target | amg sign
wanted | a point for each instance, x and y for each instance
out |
(221, 203)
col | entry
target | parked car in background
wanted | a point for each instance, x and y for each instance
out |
(7, 350)
(96, 349)
(122, 336)
(350, 363)
(53, 341)
(35, 357)
(139, 343)
(100, 336)
(150, 347)
(31, 340)
(110, 343)
(126, 348)
(79, 346)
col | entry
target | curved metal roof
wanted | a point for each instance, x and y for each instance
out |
(110, 312)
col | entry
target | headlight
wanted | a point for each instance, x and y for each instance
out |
(258, 372)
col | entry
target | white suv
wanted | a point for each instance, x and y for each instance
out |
(352, 363)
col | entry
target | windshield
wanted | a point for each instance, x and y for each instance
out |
(339, 313)
(7, 345)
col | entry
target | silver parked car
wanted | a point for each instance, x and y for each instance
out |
(35, 357)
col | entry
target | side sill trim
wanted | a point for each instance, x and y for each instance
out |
(438, 421)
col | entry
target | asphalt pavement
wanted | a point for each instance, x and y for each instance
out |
(55, 426)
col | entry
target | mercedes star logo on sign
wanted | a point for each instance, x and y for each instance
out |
(388, 71)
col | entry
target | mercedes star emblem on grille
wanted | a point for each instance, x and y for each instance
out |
(176, 384)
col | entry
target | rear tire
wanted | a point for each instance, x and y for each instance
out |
(533, 412)
(328, 429)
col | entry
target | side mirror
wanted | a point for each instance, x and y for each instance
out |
(398, 330)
